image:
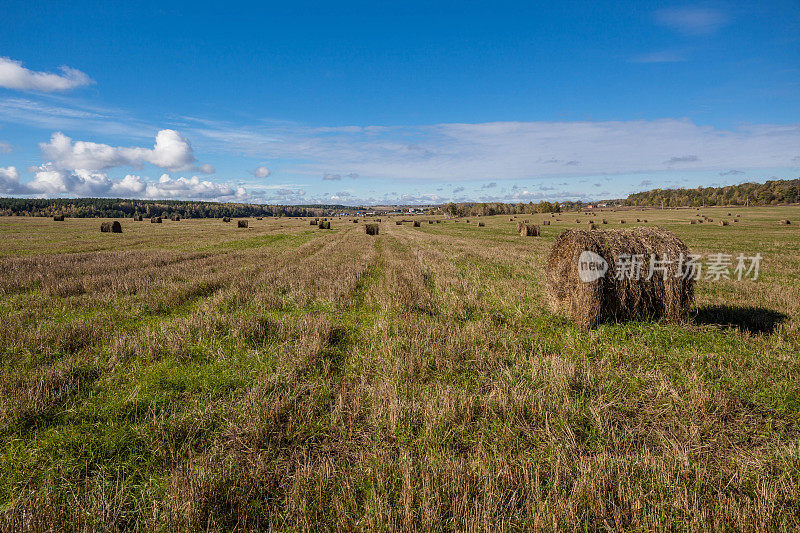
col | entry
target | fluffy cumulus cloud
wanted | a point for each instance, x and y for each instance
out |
(171, 151)
(14, 76)
(9, 180)
(50, 181)
(261, 172)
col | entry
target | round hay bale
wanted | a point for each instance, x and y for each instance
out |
(312, 222)
(398, 223)
(723, 222)
(176, 218)
(371, 229)
(58, 218)
(603, 297)
(621, 221)
(530, 231)
(520, 226)
(605, 221)
(138, 218)
(324, 224)
(785, 222)
(416, 223)
(111, 227)
(241, 224)
(481, 224)
(155, 220)
(592, 226)
(546, 222)
(226, 219)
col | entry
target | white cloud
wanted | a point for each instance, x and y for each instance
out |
(519, 150)
(14, 76)
(6, 148)
(261, 172)
(9, 180)
(50, 181)
(207, 169)
(171, 152)
(692, 20)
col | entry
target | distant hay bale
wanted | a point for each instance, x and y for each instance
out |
(481, 224)
(700, 221)
(668, 293)
(312, 222)
(546, 222)
(176, 218)
(138, 218)
(621, 221)
(324, 225)
(592, 226)
(438, 221)
(723, 222)
(637, 220)
(729, 214)
(530, 230)
(577, 221)
(416, 223)
(398, 223)
(58, 218)
(155, 220)
(738, 215)
(355, 221)
(111, 227)
(709, 220)
(644, 220)
(226, 219)
(371, 229)
(430, 222)
(259, 218)
(377, 220)
(785, 222)
(241, 224)
(693, 221)
(605, 221)
(520, 225)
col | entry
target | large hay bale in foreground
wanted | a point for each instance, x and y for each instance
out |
(111, 227)
(606, 297)
(58, 218)
(241, 223)
(530, 231)
(371, 229)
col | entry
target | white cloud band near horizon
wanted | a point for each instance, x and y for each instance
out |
(511, 150)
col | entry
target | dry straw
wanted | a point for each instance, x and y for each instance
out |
(668, 293)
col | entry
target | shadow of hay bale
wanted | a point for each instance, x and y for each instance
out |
(753, 320)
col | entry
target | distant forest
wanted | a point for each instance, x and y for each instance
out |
(117, 208)
(769, 193)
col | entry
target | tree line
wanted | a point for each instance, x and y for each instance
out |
(120, 208)
(772, 192)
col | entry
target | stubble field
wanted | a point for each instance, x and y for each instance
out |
(195, 375)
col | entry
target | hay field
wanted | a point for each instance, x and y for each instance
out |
(195, 375)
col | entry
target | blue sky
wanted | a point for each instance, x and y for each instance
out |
(376, 102)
